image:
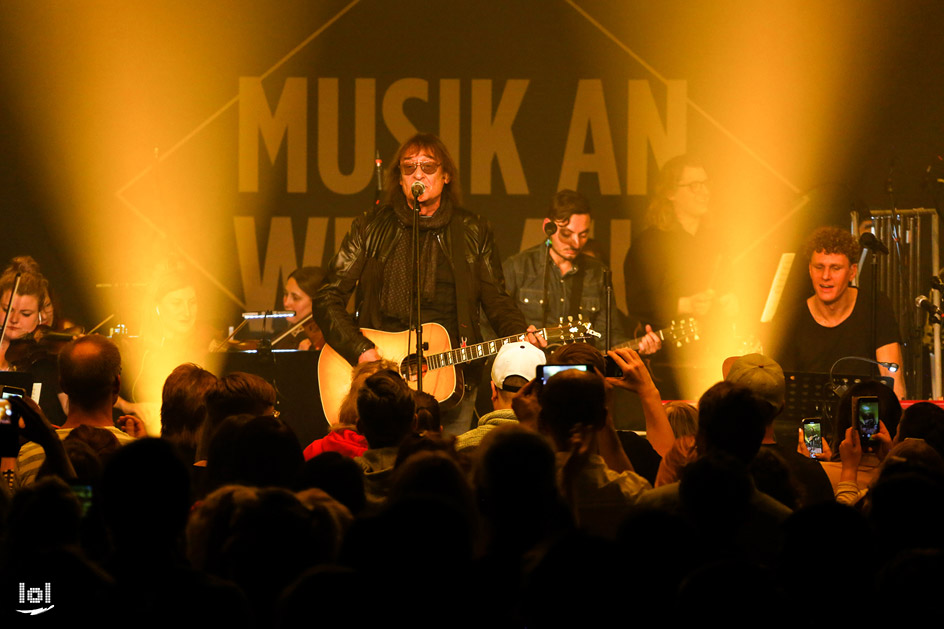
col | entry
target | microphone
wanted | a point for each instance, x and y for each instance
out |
(922, 302)
(550, 228)
(839, 389)
(870, 242)
(417, 189)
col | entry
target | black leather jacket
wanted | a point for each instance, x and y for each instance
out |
(359, 264)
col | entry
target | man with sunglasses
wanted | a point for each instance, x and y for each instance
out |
(558, 278)
(460, 268)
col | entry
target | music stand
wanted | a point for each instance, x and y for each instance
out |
(295, 371)
(812, 394)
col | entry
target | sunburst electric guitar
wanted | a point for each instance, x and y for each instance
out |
(439, 360)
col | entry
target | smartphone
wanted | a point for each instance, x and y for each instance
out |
(84, 494)
(9, 392)
(612, 369)
(866, 418)
(813, 435)
(546, 371)
(9, 433)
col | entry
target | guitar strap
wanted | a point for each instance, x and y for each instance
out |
(463, 279)
(576, 292)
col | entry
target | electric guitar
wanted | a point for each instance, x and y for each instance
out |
(440, 378)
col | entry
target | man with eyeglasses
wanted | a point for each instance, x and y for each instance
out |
(675, 267)
(460, 268)
(558, 278)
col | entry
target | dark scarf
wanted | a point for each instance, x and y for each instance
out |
(398, 270)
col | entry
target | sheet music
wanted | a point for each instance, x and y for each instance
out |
(777, 286)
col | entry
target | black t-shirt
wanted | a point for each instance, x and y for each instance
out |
(807, 346)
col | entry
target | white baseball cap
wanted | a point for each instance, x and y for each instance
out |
(516, 359)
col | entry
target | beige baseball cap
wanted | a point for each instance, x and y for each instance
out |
(762, 375)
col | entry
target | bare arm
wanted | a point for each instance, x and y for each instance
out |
(636, 378)
(891, 353)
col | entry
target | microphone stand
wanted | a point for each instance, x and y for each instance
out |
(416, 290)
(874, 299)
(378, 172)
(608, 288)
(872, 246)
(549, 230)
(544, 304)
(904, 288)
(840, 390)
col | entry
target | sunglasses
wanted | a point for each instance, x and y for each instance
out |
(429, 168)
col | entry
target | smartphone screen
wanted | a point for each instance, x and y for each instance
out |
(546, 371)
(866, 416)
(813, 435)
(9, 392)
(84, 494)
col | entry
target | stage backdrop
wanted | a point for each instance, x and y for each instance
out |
(241, 136)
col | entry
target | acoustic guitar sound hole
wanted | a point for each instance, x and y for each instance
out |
(408, 368)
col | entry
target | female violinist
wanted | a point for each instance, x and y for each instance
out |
(300, 286)
(24, 313)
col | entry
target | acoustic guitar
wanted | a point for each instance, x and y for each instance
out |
(439, 360)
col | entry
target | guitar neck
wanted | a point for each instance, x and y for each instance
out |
(633, 344)
(679, 332)
(473, 352)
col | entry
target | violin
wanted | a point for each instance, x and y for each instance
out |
(312, 333)
(308, 325)
(43, 342)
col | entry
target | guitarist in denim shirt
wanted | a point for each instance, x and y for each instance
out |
(557, 279)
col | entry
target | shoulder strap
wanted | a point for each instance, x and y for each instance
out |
(576, 290)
